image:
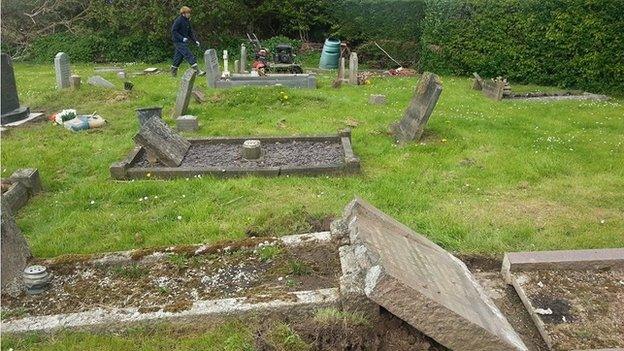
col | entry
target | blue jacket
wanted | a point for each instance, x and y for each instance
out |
(182, 29)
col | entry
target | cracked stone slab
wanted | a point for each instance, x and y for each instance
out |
(418, 281)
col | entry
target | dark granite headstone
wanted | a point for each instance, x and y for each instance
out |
(62, 70)
(11, 110)
(184, 93)
(15, 252)
(418, 281)
(213, 72)
(417, 115)
(162, 143)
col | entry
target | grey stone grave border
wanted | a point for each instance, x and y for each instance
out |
(124, 170)
(298, 303)
(593, 259)
(25, 183)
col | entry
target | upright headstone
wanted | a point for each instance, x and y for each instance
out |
(341, 69)
(226, 65)
(213, 72)
(417, 114)
(237, 68)
(15, 252)
(62, 69)
(184, 93)
(243, 59)
(418, 281)
(353, 68)
(11, 110)
(75, 81)
(162, 143)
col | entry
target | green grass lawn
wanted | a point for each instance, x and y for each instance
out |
(487, 177)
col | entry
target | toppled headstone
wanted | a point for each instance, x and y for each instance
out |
(213, 72)
(98, 81)
(199, 96)
(30, 178)
(353, 69)
(493, 88)
(144, 114)
(478, 82)
(108, 69)
(11, 109)
(62, 70)
(418, 281)
(75, 81)
(417, 115)
(162, 143)
(15, 252)
(187, 123)
(184, 93)
(377, 99)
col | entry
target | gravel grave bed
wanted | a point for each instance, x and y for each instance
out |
(274, 154)
(172, 280)
(580, 309)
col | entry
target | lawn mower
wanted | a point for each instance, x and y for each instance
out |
(281, 61)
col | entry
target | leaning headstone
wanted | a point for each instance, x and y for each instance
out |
(162, 143)
(75, 81)
(100, 82)
(199, 96)
(478, 82)
(187, 123)
(243, 59)
(184, 93)
(353, 68)
(421, 106)
(493, 88)
(15, 253)
(418, 281)
(62, 70)
(11, 110)
(213, 72)
(377, 99)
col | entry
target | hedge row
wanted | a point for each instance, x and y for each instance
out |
(569, 43)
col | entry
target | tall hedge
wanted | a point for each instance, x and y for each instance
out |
(569, 43)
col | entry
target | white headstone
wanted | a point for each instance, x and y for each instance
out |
(243, 59)
(226, 68)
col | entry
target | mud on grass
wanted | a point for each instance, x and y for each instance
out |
(173, 281)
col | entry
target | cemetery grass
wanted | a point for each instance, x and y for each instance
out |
(487, 177)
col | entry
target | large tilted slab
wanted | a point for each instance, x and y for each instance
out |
(417, 115)
(419, 282)
(162, 142)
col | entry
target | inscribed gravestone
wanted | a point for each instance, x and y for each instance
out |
(15, 251)
(162, 142)
(419, 282)
(213, 73)
(353, 68)
(62, 69)
(421, 106)
(184, 93)
(11, 110)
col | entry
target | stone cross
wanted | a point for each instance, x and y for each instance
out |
(243, 59)
(353, 68)
(162, 143)
(213, 72)
(421, 106)
(417, 281)
(11, 110)
(62, 69)
(184, 93)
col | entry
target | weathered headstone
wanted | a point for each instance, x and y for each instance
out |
(15, 252)
(237, 68)
(187, 123)
(353, 68)
(493, 88)
(11, 110)
(418, 281)
(478, 82)
(162, 143)
(144, 114)
(62, 70)
(421, 106)
(184, 93)
(341, 69)
(100, 82)
(243, 59)
(213, 72)
(30, 178)
(199, 96)
(75, 81)
(226, 66)
(377, 99)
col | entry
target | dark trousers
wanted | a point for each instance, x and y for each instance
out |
(182, 52)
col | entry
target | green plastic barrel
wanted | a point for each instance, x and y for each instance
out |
(330, 56)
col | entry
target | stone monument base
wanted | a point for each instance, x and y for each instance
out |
(18, 114)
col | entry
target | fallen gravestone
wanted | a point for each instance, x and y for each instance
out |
(377, 99)
(478, 82)
(15, 252)
(144, 114)
(161, 143)
(418, 281)
(62, 70)
(199, 96)
(184, 93)
(150, 70)
(11, 110)
(100, 82)
(187, 123)
(493, 88)
(417, 115)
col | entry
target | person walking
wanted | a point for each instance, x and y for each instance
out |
(183, 35)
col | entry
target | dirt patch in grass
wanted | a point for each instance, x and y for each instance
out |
(584, 309)
(173, 281)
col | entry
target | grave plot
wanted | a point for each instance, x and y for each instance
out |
(575, 298)
(216, 79)
(164, 154)
(297, 271)
(499, 89)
